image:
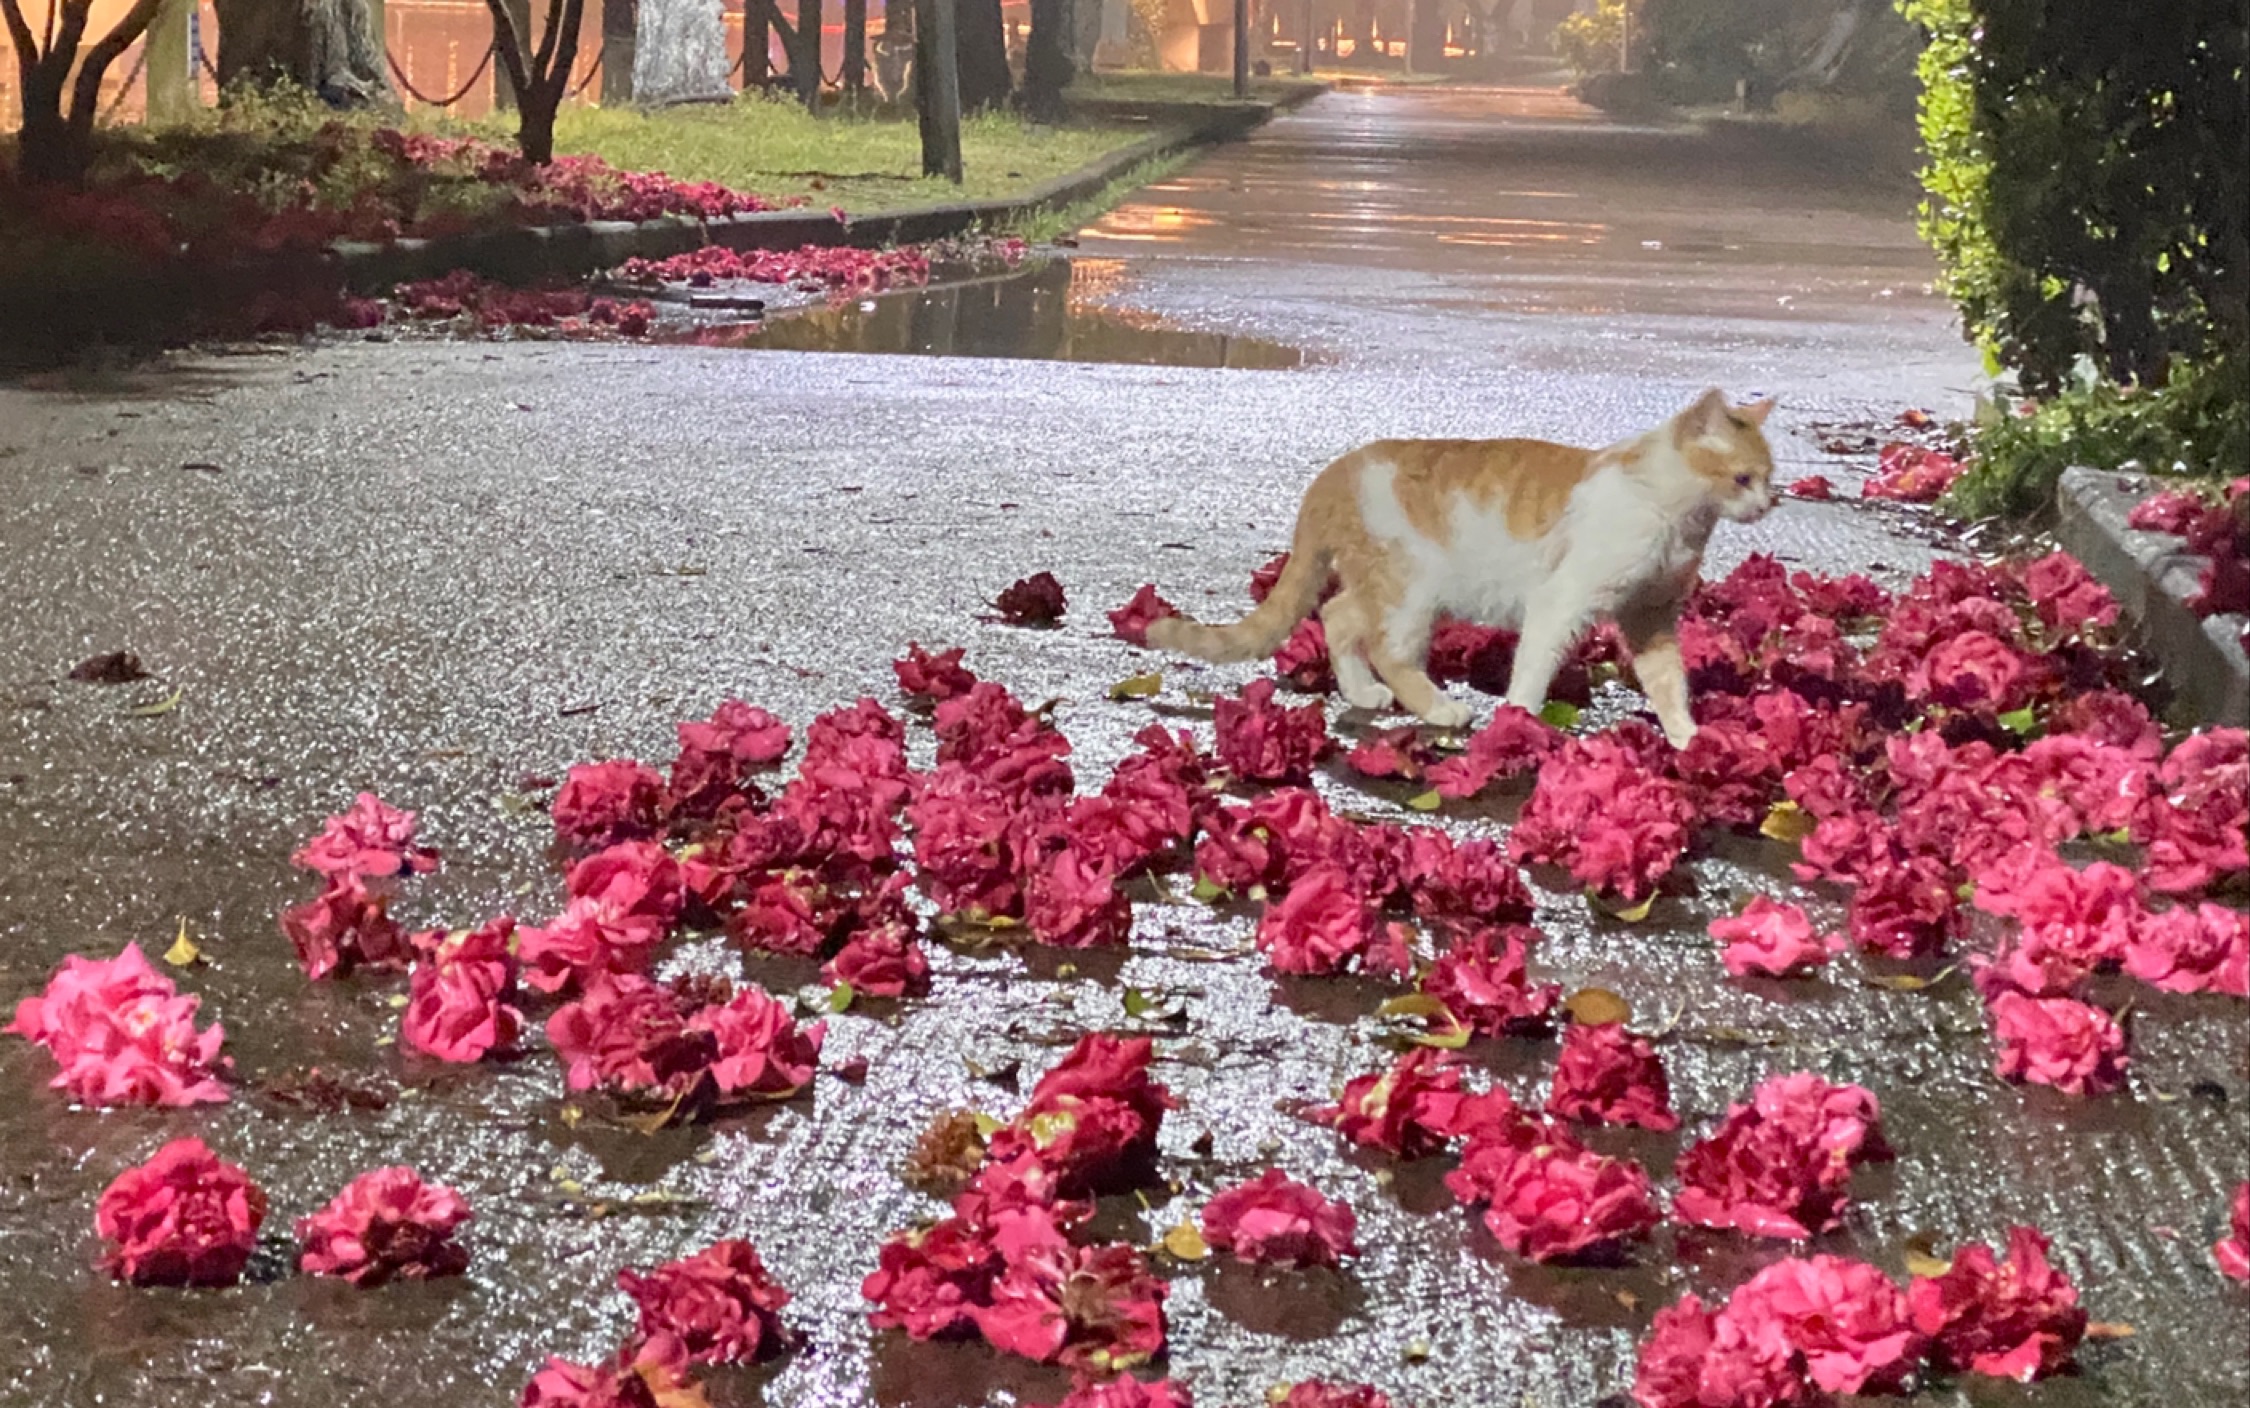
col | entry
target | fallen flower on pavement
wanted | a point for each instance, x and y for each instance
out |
(1132, 620)
(371, 838)
(122, 1034)
(386, 1225)
(184, 1218)
(2059, 1041)
(347, 928)
(1848, 1320)
(935, 678)
(619, 800)
(1265, 742)
(1548, 1197)
(1772, 940)
(720, 1304)
(1407, 1111)
(457, 1006)
(1036, 600)
(2014, 1319)
(1482, 979)
(1274, 1218)
(1781, 1165)
(2232, 1252)
(1607, 1075)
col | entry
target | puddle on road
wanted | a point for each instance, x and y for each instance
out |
(1043, 312)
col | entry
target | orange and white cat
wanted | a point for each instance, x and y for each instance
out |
(1545, 537)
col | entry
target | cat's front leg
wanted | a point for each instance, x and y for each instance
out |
(1654, 638)
(1399, 653)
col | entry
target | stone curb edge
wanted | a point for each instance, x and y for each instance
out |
(2152, 578)
(529, 254)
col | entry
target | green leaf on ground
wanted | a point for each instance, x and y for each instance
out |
(1428, 801)
(1138, 686)
(1557, 714)
(840, 997)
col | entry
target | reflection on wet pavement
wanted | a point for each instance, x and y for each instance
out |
(1042, 312)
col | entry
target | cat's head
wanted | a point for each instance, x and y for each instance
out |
(1725, 446)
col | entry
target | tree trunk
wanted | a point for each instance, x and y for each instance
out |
(55, 144)
(1047, 69)
(937, 88)
(539, 76)
(853, 74)
(617, 51)
(981, 51)
(805, 67)
(327, 46)
(679, 53)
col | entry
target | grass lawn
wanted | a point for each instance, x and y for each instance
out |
(863, 164)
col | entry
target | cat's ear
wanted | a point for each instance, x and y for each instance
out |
(1708, 416)
(1757, 411)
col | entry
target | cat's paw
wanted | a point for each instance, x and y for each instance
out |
(1680, 738)
(1372, 696)
(1448, 713)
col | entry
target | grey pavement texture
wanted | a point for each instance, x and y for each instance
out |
(431, 569)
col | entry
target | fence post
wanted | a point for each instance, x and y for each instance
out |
(807, 62)
(1242, 48)
(855, 46)
(620, 21)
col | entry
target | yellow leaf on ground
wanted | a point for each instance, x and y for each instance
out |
(1595, 1007)
(1186, 1242)
(1787, 823)
(183, 950)
(2109, 1330)
(1138, 687)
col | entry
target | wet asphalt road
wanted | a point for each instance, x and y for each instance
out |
(432, 569)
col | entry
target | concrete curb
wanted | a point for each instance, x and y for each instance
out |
(530, 254)
(2153, 578)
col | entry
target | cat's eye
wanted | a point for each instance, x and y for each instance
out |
(1742, 481)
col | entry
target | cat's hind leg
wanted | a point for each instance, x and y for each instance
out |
(1653, 635)
(1399, 653)
(1344, 620)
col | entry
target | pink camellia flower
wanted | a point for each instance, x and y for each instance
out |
(2018, 1319)
(2174, 511)
(1601, 812)
(2103, 785)
(1811, 486)
(1036, 600)
(1781, 1165)
(931, 1281)
(880, 962)
(1513, 743)
(936, 678)
(372, 839)
(1094, 1116)
(1469, 880)
(184, 1218)
(386, 1225)
(1607, 1075)
(1317, 1393)
(1549, 1197)
(123, 1035)
(646, 1373)
(2203, 949)
(717, 756)
(1847, 1318)
(1273, 1218)
(1773, 940)
(2073, 921)
(2198, 829)
(720, 1304)
(626, 1033)
(1482, 979)
(599, 803)
(2059, 1041)
(1731, 771)
(1906, 909)
(1318, 927)
(1696, 1359)
(1910, 474)
(2066, 595)
(1303, 658)
(1851, 597)
(1408, 1110)
(793, 911)
(1125, 1391)
(963, 845)
(1391, 752)
(1261, 741)
(586, 942)
(348, 927)
(1071, 900)
(1971, 670)
(1132, 620)
(1239, 852)
(761, 1053)
(1091, 1308)
(2232, 1252)
(457, 1006)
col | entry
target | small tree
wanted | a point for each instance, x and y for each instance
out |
(539, 77)
(55, 145)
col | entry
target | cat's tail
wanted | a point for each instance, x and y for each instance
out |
(1295, 593)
